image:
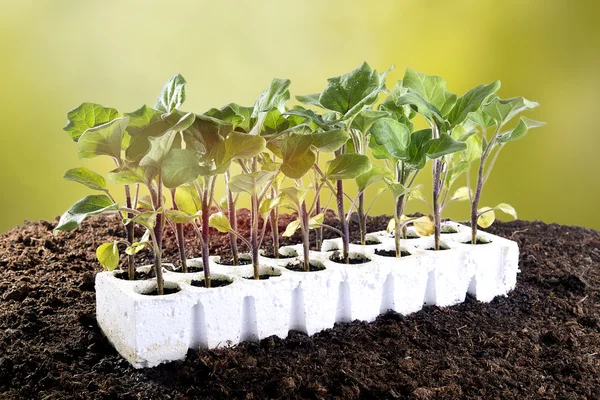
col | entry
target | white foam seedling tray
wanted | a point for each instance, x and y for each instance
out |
(149, 330)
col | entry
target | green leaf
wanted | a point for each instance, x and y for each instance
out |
(140, 118)
(347, 166)
(180, 217)
(239, 145)
(348, 94)
(503, 110)
(389, 104)
(220, 222)
(159, 148)
(310, 117)
(292, 197)
(187, 199)
(86, 177)
(88, 115)
(291, 228)
(275, 96)
(366, 118)
(329, 141)
(180, 166)
(103, 139)
(297, 155)
(432, 89)
(147, 219)
(108, 255)
(125, 176)
(310, 99)
(443, 145)
(393, 135)
(316, 221)
(507, 209)
(86, 207)
(417, 149)
(250, 183)
(424, 226)
(229, 113)
(397, 189)
(135, 248)
(486, 217)
(172, 94)
(519, 131)
(471, 101)
(461, 194)
(372, 176)
(268, 204)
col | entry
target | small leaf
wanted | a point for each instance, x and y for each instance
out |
(108, 255)
(310, 99)
(187, 199)
(135, 248)
(147, 219)
(180, 166)
(86, 177)
(275, 96)
(393, 135)
(507, 209)
(220, 222)
(316, 221)
(417, 149)
(103, 139)
(88, 115)
(503, 110)
(461, 194)
(347, 166)
(519, 131)
(391, 226)
(291, 228)
(180, 217)
(397, 189)
(141, 118)
(172, 94)
(415, 193)
(486, 217)
(292, 197)
(268, 204)
(86, 207)
(432, 89)
(424, 226)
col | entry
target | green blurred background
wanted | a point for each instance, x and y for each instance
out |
(57, 54)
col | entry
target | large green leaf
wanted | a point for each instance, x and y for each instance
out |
(366, 118)
(372, 176)
(310, 117)
(251, 183)
(519, 131)
(86, 177)
(172, 94)
(180, 166)
(389, 104)
(159, 148)
(417, 149)
(310, 99)
(220, 222)
(103, 139)
(229, 114)
(140, 118)
(126, 176)
(422, 106)
(275, 96)
(238, 145)
(443, 145)
(393, 135)
(329, 141)
(86, 207)
(348, 94)
(432, 89)
(88, 115)
(471, 101)
(503, 110)
(297, 155)
(347, 166)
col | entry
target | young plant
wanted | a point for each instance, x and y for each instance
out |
(443, 111)
(494, 115)
(344, 98)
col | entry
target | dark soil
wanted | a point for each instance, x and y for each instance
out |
(166, 290)
(299, 267)
(262, 277)
(351, 260)
(478, 241)
(391, 253)
(367, 242)
(281, 256)
(138, 276)
(540, 342)
(229, 261)
(214, 283)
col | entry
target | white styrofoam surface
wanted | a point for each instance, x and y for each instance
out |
(149, 330)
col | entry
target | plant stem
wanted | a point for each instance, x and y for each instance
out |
(274, 221)
(205, 236)
(304, 225)
(475, 203)
(254, 227)
(399, 229)
(362, 219)
(232, 221)
(130, 236)
(437, 172)
(319, 230)
(343, 223)
(158, 233)
(180, 238)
